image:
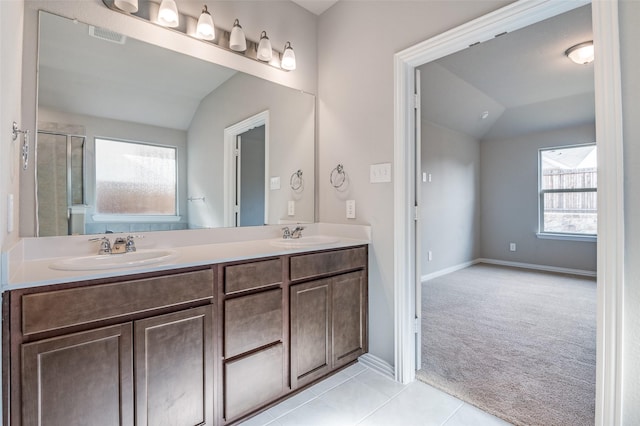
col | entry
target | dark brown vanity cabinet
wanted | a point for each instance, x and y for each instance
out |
(120, 353)
(253, 338)
(328, 315)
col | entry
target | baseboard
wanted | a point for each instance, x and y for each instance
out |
(546, 268)
(378, 364)
(448, 270)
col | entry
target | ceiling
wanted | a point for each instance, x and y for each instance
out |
(316, 6)
(520, 82)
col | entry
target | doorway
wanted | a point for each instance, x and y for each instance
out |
(610, 203)
(246, 164)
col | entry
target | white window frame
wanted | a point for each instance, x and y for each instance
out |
(136, 218)
(567, 236)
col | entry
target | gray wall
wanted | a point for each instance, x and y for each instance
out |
(509, 194)
(356, 122)
(291, 144)
(450, 210)
(630, 58)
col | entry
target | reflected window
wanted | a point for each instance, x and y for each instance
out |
(568, 190)
(135, 178)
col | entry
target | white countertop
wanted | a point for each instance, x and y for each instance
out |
(30, 270)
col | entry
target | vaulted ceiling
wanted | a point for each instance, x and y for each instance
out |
(513, 84)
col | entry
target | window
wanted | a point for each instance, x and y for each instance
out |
(135, 178)
(568, 198)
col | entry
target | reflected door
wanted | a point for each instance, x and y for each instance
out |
(250, 178)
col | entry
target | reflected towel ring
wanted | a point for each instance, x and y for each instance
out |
(296, 182)
(338, 176)
(15, 131)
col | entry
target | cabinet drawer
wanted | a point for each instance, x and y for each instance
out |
(252, 321)
(249, 276)
(310, 265)
(253, 381)
(81, 305)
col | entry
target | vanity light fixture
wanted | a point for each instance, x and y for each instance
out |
(237, 40)
(168, 14)
(205, 29)
(129, 6)
(582, 53)
(288, 58)
(265, 53)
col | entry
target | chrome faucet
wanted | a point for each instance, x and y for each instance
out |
(105, 245)
(297, 232)
(120, 245)
(286, 233)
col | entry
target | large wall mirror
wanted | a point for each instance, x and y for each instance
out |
(133, 137)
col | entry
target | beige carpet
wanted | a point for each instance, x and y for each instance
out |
(516, 343)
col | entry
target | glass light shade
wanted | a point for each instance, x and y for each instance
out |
(264, 48)
(205, 29)
(168, 14)
(288, 58)
(237, 40)
(582, 53)
(130, 6)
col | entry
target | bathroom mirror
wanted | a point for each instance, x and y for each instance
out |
(182, 143)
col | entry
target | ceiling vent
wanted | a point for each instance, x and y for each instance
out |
(107, 35)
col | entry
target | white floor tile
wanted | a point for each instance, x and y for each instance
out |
(330, 383)
(261, 419)
(352, 401)
(314, 413)
(291, 403)
(380, 383)
(469, 415)
(418, 404)
(355, 369)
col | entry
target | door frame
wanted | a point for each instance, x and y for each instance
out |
(230, 134)
(610, 252)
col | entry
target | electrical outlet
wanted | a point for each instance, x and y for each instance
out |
(9, 213)
(512, 246)
(351, 209)
(291, 208)
(424, 177)
(429, 256)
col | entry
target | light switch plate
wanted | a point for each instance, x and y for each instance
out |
(380, 173)
(274, 183)
(351, 209)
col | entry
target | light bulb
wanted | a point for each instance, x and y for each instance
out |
(205, 29)
(168, 14)
(237, 40)
(288, 58)
(264, 48)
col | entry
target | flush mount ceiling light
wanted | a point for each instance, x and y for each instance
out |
(265, 53)
(205, 29)
(237, 40)
(288, 58)
(582, 53)
(130, 6)
(168, 14)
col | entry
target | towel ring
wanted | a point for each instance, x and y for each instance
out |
(15, 131)
(296, 182)
(338, 176)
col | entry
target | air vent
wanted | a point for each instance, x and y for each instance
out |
(107, 35)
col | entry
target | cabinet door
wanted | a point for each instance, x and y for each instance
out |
(79, 379)
(310, 331)
(174, 362)
(348, 293)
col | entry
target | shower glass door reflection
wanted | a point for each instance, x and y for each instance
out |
(60, 184)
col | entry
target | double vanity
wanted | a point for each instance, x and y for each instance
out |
(209, 334)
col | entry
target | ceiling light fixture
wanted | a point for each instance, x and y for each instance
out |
(205, 29)
(168, 14)
(288, 58)
(265, 52)
(130, 6)
(237, 40)
(582, 53)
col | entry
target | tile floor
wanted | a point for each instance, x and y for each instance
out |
(358, 395)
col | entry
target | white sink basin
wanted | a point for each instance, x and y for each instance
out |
(113, 261)
(304, 242)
